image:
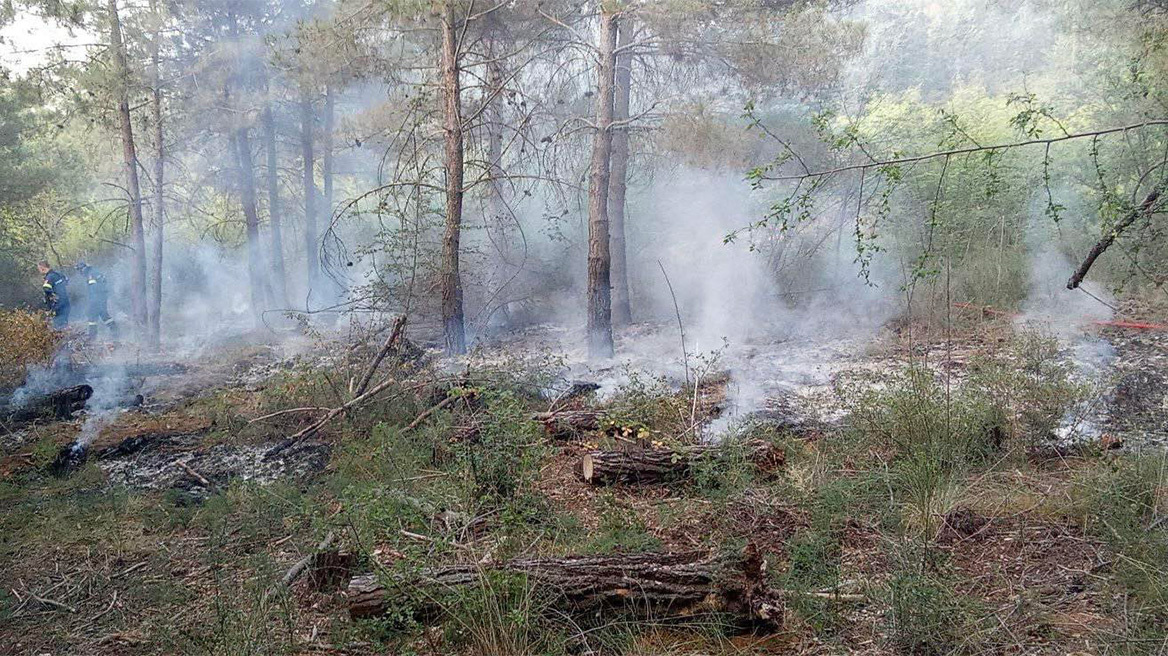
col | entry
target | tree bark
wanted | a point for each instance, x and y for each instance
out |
(568, 424)
(497, 222)
(683, 584)
(247, 197)
(599, 263)
(279, 284)
(154, 312)
(618, 188)
(311, 248)
(326, 146)
(653, 466)
(1103, 244)
(130, 162)
(451, 283)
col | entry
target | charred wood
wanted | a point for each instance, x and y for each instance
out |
(60, 404)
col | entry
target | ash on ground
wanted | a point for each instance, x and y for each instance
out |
(158, 461)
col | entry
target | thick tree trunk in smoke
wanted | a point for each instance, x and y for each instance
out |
(312, 249)
(599, 263)
(247, 196)
(154, 312)
(451, 282)
(618, 187)
(130, 160)
(279, 284)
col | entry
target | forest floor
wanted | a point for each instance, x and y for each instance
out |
(980, 489)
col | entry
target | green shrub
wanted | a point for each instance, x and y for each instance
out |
(503, 462)
(503, 615)
(927, 618)
(1120, 503)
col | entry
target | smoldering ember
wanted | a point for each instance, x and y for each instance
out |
(605, 327)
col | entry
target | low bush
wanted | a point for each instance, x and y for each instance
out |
(28, 339)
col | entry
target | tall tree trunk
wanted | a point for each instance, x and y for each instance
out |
(247, 197)
(312, 249)
(130, 160)
(599, 264)
(326, 146)
(621, 310)
(498, 222)
(279, 285)
(452, 318)
(154, 312)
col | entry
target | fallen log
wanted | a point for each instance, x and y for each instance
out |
(60, 404)
(568, 424)
(652, 466)
(676, 583)
(578, 389)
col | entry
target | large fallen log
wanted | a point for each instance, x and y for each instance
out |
(568, 424)
(652, 466)
(677, 583)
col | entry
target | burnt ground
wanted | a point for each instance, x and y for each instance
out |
(1138, 401)
(170, 536)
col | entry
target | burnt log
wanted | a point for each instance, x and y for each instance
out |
(60, 404)
(568, 424)
(672, 583)
(653, 466)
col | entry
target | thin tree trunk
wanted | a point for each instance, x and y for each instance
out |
(496, 204)
(621, 309)
(452, 317)
(306, 143)
(247, 197)
(599, 263)
(154, 312)
(130, 160)
(327, 149)
(280, 286)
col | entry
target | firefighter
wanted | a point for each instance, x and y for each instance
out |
(98, 300)
(56, 294)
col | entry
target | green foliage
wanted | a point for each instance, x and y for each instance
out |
(1032, 382)
(935, 433)
(505, 615)
(1120, 503)
(928, 618)
(503, 463)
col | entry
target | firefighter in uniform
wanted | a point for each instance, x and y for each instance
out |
(56, 294)
(98, 300)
